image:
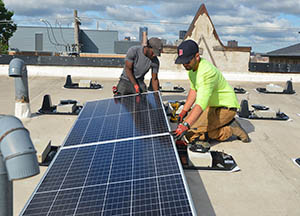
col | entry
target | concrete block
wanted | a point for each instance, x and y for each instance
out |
(66, 108)
(200, 159)
(265, 113)
(85, 83)
(167, 86)
(274, 88)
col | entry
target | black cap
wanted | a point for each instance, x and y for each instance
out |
(186, 51)
(156, 45)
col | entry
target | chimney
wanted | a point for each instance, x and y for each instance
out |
(232, 43)
(182, 34)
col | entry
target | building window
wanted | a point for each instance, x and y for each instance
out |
(38, 42)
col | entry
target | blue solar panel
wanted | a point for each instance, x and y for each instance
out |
(132, 176)
(118, 118)
(129, 177)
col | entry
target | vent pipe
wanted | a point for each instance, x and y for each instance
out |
(18, 70)
(17, 159)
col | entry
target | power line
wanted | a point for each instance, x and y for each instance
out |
(61, 33)
(56, 43)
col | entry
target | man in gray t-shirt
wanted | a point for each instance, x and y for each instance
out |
(138, 61)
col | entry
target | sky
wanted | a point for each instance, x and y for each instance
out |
(264, 25)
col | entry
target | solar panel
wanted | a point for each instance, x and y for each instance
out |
(118, 118)
(139, 175)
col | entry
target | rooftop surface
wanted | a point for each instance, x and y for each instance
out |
(267, 184)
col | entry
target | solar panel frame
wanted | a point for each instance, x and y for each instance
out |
(94, 145)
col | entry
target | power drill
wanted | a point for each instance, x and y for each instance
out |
(175, 106)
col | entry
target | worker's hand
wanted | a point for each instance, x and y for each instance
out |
(181, 116)
(180, 131)
(136, 88)
(115, 90)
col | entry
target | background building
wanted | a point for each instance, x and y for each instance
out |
(282, 60)
(121, 47)
(286, 55)
(142, 30)
(46, 39)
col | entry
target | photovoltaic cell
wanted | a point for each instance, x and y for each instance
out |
(92, 200)
(58, 171)
(121, 169)
(41, 203)
(118, 199)
(144, 163)
(89, 110)
(133, 176)
(173, 198)
(93, 130)
(145, 192)
(77, 132)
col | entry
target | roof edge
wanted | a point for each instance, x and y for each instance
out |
(239, 48)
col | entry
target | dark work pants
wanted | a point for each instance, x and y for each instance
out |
(125, 87)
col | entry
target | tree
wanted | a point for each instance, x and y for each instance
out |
(7, 27)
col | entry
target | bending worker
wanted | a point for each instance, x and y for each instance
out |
(138, 61)
(214, 100)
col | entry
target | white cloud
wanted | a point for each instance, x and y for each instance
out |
(123, 12)
(252, 23)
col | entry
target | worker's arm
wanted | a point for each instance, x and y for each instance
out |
(190, 100)
(155, 82)
(194, 114)
(129, 73)
(188, 104)
(182, 128)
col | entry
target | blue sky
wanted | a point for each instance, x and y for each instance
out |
(263, 25)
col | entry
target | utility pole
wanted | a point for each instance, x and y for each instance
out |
(76, 32)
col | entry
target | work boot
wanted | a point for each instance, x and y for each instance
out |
(238, 131)
(200, 146)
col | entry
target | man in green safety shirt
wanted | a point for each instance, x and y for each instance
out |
(211, 104)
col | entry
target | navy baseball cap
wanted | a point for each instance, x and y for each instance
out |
(186, 51)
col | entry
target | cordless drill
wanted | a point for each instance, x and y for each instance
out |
(175, 106)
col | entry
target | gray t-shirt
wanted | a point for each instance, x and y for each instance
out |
(141, 63)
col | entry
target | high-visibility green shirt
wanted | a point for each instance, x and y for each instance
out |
(211, 87)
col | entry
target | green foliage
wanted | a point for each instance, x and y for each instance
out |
(7, 27)
(3, 48)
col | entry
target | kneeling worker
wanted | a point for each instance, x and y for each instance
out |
(214, 100)
(138, 61)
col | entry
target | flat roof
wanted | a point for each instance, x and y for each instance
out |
(268, 183)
